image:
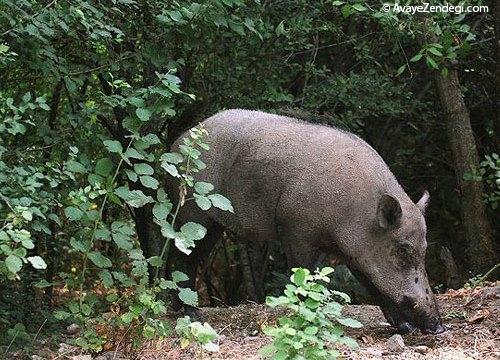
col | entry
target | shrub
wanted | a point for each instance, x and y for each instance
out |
(314, 322)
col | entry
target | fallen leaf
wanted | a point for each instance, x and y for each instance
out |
(478, 316)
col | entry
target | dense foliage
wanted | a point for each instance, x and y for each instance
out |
(92, 95)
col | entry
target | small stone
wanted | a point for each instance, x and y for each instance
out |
(422, 349)
(374, 353)
(66, 349)
(395, 343)
(111, 355)
(72, 329)
(81, 357)
(36, 357)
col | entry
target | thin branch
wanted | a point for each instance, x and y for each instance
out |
(29, 17)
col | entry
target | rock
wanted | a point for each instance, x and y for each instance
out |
(66, 349)
(36, 357)
(72, 329)
(422, 349)
(111, 355)
(81, 357)
(374, 353)
(395, 343)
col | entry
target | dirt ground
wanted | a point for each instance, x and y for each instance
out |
(472, 319)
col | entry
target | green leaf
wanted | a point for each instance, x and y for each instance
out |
(178, 276)
(134, 198)
(435, 51)
(42, 284)
(122, 241)
(102, 234)
(193, 231)
(27, 215)
(349, 322)
(148, 332)
(155, 261)
(143, 114)
(149, 182)
(106, 278)
(143, 169)
(99, 259)
(167, 230)
(280, 29)
(188, 296)
(172, 158)
(171, 169)
(221, 202)
(27, 97)
(73, 213)
(131, 175)
(103, 167)
(416, 57)
(13, 263)
(203, 188)
(113, 146)
(401, 70)
(183, 244)
(358, 7)
(28, 244)
(326, 271)
(76, 167)
(133, 153)
(202, 201)
(161, 210)
(79, 245)
(37, 262)
(431, 62)
(167, 284)
(299, 276)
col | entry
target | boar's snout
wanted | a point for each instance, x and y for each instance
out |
(431, 324)
(413, 314)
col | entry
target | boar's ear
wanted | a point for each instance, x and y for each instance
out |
(389, 212)
(423, 202)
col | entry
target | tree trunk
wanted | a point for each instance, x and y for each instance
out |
(496, 16)
(478, 234)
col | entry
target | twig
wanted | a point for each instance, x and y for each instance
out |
(39, 329)
(406, 59)
(480, 280)
(336, 44)
(29, 17)
(12, 341)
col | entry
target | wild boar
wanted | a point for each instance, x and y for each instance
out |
(317, 189)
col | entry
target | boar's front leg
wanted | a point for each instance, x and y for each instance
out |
(300, 246)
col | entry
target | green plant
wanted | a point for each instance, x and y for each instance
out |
(203, 335)
(128, 288)
(314, 323)
(459, 315)
(490, 173)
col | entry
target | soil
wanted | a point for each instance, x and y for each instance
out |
(471, 317)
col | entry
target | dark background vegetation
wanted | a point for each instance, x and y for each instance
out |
(340, 65)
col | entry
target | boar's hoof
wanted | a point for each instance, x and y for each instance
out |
(436, 330)
(406, 327)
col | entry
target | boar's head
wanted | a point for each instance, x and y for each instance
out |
(392, 265)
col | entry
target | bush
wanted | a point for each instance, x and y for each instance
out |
(314, 323)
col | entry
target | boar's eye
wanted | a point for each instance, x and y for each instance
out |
(405, 254)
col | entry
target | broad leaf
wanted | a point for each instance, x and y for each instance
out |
(221, 202)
